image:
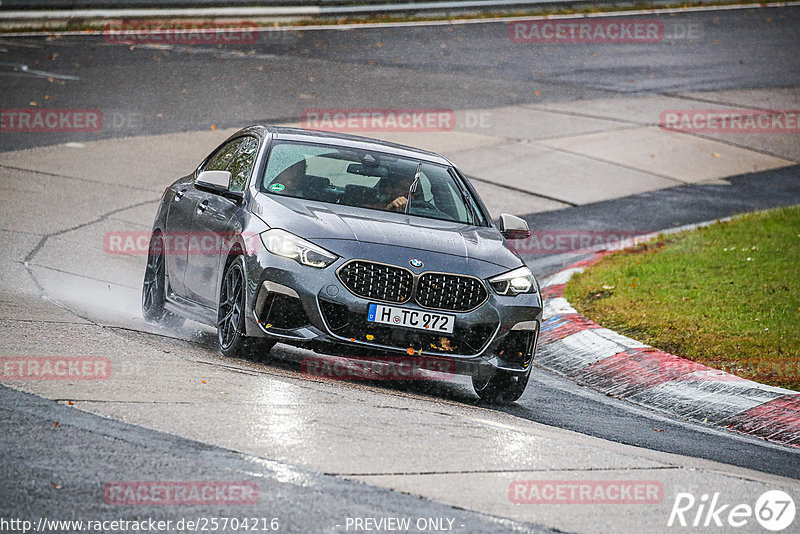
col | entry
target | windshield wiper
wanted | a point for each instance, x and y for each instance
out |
(465, 197)
(413, 188)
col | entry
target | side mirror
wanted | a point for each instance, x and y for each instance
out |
(218, 182)
(214, 179)
(513, 227)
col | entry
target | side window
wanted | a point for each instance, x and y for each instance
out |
(242, 163)
(220, 160)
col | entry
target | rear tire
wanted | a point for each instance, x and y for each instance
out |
(231, 317)
(502, 387)
(154, 294)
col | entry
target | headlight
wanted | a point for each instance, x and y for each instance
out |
(283, 243)
(514, 282)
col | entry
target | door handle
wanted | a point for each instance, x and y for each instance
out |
(203, 206)
(179, 194)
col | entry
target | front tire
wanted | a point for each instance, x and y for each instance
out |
(501, 387)
(231, 316)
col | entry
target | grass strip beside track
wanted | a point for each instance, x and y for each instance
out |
(726, 295)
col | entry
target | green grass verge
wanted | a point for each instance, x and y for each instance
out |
(726, 295)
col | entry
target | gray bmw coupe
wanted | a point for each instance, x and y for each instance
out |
(345, 245)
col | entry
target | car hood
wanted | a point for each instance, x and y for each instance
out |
(328, 223)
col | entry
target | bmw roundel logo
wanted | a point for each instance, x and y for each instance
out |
(416, 263)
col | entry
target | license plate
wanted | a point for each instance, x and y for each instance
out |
(423, 320)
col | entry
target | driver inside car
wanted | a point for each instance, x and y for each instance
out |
(394, 188)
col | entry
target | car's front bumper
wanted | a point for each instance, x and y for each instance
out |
(304, 305)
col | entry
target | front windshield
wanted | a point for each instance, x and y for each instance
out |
(371, 180)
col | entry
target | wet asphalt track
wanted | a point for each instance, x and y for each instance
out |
(156, 91)
(151, 89)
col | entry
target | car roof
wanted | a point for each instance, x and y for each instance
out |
(352, 141)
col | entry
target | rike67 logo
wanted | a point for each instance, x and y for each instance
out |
(774, 510)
